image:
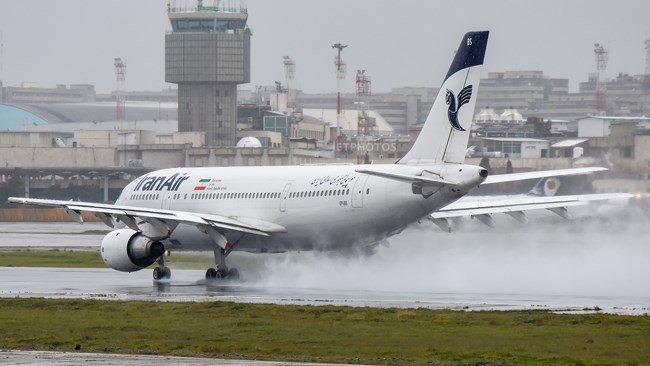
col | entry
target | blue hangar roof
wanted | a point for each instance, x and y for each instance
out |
(13, 118)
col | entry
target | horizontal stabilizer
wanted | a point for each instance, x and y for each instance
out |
(408, 178)
(501, 178)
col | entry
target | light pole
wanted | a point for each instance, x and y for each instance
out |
(340, 75)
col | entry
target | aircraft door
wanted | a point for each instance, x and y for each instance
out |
(166, 200)
(357, 191)
(283, 197)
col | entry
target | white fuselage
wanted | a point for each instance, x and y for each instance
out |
(323, 207)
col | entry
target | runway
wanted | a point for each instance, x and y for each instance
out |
(39, 358)
(570, 268)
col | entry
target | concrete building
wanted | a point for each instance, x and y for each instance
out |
(31, 139)
(115, 138)
(208, 54)
(30, 93)
(524, 148)
(601, 126)
(402, 108)
(525, 91)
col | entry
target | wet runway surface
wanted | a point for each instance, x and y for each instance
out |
(34, 358)
(108, 284)
(569, 268)
(66, 235)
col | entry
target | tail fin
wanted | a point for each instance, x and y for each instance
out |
(445, 133)
(545, 187)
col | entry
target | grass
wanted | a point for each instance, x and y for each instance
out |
(51, 258)
(325, 333)
(311, 333)
(90, 259)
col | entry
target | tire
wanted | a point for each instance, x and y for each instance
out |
(211, 273)
(167, 273)
(233, 274)
(222, 274)
(158, 273)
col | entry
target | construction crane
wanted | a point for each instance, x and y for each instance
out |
(602, 56)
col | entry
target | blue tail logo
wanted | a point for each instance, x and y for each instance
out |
(452, 112)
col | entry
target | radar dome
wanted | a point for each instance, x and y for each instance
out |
(249, 141)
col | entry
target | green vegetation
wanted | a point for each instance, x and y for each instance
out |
(90, 259)
(51, 258)
(311, 333)
(325, 333)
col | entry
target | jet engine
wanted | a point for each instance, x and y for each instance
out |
(127, 250)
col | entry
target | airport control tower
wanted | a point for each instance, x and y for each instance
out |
(208, 54)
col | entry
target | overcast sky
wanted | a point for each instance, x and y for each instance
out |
(398, 43)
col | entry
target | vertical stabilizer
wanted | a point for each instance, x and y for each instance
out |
(446, 131)
(545, 187)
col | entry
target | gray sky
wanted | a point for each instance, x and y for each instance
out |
(399, 43)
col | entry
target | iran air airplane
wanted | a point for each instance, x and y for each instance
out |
(291, 208)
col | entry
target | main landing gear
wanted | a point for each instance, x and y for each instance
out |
(161, 272)
(222, 271)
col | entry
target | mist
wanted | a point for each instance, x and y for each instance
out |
(552, 257)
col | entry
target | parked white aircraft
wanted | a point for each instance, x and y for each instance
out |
(541, 196)
(317, 207)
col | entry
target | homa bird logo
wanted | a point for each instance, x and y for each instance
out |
(452, 112)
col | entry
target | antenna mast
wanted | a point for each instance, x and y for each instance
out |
(363, 121)
(120, 77)
(602, 56)
(289, 74)
(340, 75)
(2, 46)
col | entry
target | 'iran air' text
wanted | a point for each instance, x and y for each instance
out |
(160, 183)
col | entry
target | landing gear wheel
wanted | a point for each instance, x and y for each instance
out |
(158, 273)
(233, 274)
(210, 274)
(222, 273)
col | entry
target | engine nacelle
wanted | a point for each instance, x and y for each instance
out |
(127, 250)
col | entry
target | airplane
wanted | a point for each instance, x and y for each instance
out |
(544, 187)
(541, 196)
(294, 208)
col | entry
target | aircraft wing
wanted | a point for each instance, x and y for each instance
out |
(518, 204)
(163, 219)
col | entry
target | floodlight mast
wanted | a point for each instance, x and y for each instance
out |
(340, 75)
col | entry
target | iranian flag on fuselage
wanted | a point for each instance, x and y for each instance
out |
(202, 185)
